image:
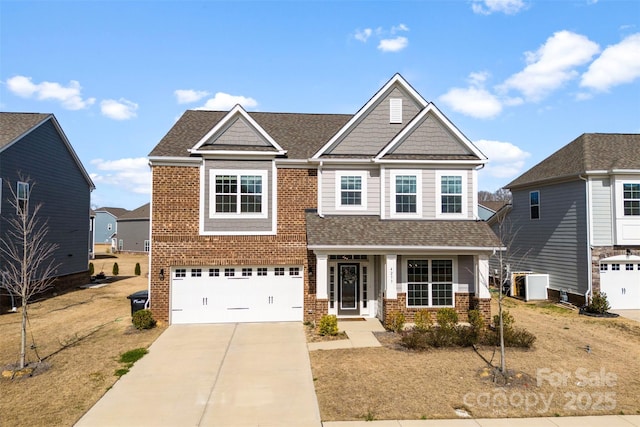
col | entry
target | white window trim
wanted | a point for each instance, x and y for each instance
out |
(619, 191)
(238, 173)
(438, 184)
(531, 205)
(27, 190)
(363, 190)
(392, 196)
(454, 280)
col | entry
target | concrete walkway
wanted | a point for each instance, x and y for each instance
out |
(359, 333)
(591, 421)
(251, 374)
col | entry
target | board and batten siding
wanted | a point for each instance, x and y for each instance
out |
(240, 225)
(329, 192)
(59, 185)
(601, 212)
(554, 244)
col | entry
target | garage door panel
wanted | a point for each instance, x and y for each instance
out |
(622, 288)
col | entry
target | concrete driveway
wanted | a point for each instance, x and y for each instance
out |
(246, 374)
(629, 314)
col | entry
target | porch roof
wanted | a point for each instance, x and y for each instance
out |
(369, 231)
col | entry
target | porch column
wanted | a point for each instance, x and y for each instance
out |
(482, 278)
(391, 273)
(321, 277)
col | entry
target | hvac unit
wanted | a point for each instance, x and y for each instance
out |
(529, 286)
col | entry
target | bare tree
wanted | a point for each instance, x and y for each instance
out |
(28, 265)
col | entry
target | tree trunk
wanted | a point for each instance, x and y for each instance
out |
(23, 337)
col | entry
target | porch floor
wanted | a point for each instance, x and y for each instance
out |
(360, 334)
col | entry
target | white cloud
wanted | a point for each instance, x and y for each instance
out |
(224, 101)
(475, 100)
(618, 64)
(505, 159)
(487, 7)
(363, 35)
(400, 27)
(121, 109)
(68, 96)
(393, 45)
(552, 65)
(187, 96)
(130, 174)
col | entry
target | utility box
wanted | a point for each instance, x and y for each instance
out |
(529, 286)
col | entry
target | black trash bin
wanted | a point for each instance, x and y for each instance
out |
(138, 300)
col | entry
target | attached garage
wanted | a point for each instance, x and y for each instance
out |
(620, 281)
(236, 294)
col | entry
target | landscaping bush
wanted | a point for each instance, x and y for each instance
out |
(416, 339)
(422, 319)
(477, 326)
(598, 303)
(395, 321)
(91, 270)
(328, 325)
(115, 269)
(447, 317)
(137, 269)
(143, 319)
(513, 336)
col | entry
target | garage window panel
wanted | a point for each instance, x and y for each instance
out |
(196, 272)
(604, 267)
(181, 272)
(294, 271)
(278, 271)
(615, 267)
(246, 272)
(229, 272)
(628, 267)
(262, 271)
(214, 272)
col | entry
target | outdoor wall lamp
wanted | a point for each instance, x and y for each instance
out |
(162, 274)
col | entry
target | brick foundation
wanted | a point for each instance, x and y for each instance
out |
(464, 303)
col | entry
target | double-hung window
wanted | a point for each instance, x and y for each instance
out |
(238, 193)
(430, 283)
(631, 199)
(534, 205)
(451, 199)
(22, 196)
(406, 193)
(351, 190)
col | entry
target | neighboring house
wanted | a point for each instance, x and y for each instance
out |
(288, 217)
(487, 208)
(92, 234)
(576, 217)
(106, 224)
(133, 230)
(34, 147)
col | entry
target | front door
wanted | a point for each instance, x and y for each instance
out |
(348, 289)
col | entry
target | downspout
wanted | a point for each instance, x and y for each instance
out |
(589, 259)
(319, 202)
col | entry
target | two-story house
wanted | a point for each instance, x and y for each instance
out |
(106, 225)
(276, 216)
(133, 230)
(576, 216)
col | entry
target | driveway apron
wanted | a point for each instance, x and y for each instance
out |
(251, 374)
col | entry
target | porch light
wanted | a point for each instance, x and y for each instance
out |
(162, 274)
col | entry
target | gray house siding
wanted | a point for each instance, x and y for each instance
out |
(329, 192)
(556, 243)
(431, 137)
(61, 188)
(102, 223)
(240, 224)
(133, 233)
(239, 132)
(601, 212)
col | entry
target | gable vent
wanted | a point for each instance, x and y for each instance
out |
(395, 110)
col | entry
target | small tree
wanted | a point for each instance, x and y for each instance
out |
(115, 269)
(91, 269)
(137, 270)
(28, 266)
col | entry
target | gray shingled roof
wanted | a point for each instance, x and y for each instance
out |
(13, 125)
(143, 212)
(589, 152)
(117, 212)
(348, 230)
(300, 134)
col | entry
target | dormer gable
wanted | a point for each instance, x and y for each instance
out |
(237, 133)
(377, 122)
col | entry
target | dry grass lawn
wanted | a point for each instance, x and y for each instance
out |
(392, 383)
(80, 336)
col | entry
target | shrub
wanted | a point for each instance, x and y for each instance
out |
(598, 303)
(513, 336)
(116, 269)
(137, 270)
(477, 329)
(395, 321)
(447, 317)
(91, 269)
(416, 339)
(328, 325)
(143, 319)
(507, 319)
(422, 319)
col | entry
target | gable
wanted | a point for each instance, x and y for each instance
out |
(430, 137)
(237, 133)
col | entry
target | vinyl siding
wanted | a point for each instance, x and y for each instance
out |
(59, 185)
(601, 212)
(239, 132)
(240, 225)
(556, 243)
(329, 192)
(133, 233)
(431, 137)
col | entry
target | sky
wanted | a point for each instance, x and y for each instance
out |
(519, 78)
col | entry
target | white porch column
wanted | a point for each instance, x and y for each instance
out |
(321, 277)
(482, 278)
(391, 276)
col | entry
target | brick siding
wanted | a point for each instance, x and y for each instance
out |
(463, 303)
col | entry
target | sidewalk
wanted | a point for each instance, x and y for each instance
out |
(359, 333)
(590, 421)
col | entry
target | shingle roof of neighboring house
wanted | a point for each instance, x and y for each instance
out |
(589, 152)
(143, 212)
(117, 212)
(357, 230)
(300, 134)
(493, 204)
(14, 125)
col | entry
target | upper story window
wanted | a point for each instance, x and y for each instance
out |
(534, 204)
(631, 199)
(238, 193)
(351, 190)
(22, 196)
(450, 193)
(406, 194)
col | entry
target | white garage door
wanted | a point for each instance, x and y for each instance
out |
(620, 281)
(236, 294)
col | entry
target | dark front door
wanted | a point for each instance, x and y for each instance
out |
(348, 289)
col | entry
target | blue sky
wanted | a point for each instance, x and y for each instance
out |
(519, 78)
